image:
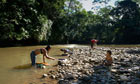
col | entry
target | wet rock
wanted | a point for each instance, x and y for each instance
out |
(85, 78)
(124, 64)
(85, 61)
(60, 76)
(135, 68)
(124, 78)
(129, 82)
(92, 60)
(84, 65)
(138, 74)
(62, 81)
(136, 81)
(123, 71)
(74, 63)
(113, 70)
(69, 76)
(62, 62)
(43, 67)
(53, 76)
(74, 83)
(44, 75)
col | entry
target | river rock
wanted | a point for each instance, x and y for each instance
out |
(135, 68)
(53, 76)
(62, 62)
(44, 75)
(69, 76)
(138, 74)
(43, 67)
(62, 81)
(124, 78)
(85, 65)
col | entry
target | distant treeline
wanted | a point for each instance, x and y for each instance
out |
(30, 22)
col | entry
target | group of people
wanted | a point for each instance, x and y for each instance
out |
(44, 51)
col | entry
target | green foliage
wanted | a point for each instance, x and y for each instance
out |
(126, 20)
(51, 8)
(137, 1)
(21, 20)
(101, 1)
(65, 21)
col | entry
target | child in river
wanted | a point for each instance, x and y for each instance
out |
(108, 60)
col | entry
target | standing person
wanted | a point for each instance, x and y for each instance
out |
(108, 63)
(108, 60)
(93, 43)
(43, 51)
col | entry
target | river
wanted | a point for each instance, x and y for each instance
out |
(15, 63)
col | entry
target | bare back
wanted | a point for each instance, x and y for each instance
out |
(40, 51)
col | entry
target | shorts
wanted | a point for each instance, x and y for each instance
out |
(33, 58)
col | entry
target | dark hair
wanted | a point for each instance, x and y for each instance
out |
(48, 47)
(109, 52)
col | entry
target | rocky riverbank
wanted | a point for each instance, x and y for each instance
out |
(84, 66)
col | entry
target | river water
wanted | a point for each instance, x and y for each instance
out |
(15, 63)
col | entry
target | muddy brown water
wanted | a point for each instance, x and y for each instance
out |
(15, 63)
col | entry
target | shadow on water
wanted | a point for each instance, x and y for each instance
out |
(25, 66)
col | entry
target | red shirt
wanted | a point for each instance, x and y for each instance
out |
(94, 41)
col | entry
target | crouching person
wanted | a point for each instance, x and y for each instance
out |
(43, 51)
(67, 52)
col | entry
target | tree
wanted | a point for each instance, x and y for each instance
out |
(61, 27)
(126, 22)
(137, 1)
(20, 20)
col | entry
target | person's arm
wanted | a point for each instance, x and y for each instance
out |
(49, 57)
(46, 55)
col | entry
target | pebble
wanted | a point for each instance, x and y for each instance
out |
(53, 76)
(138, 74)
(44, 75)
(124, 78)
(43, 67)
(85, 65)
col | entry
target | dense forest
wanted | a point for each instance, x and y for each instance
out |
(31, 22)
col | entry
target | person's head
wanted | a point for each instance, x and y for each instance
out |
(48, 47)
(108, 53)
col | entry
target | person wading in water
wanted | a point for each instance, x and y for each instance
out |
(43, 51)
